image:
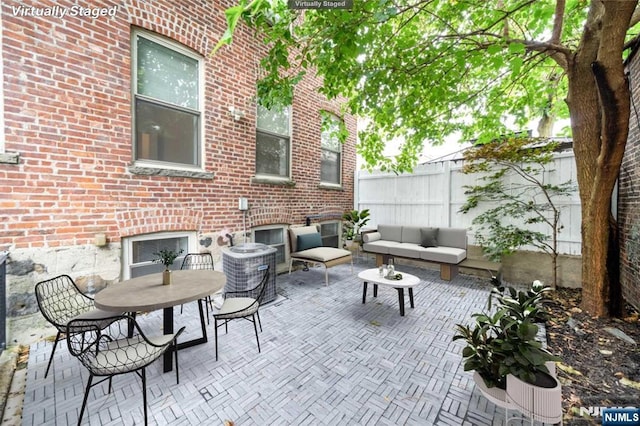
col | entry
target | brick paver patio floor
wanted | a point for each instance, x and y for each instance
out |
(326, 359)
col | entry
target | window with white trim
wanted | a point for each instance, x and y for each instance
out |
(273, 142)
(138, 251)
(167, 101)
(330, 234)
(331, 150)
(273, 236)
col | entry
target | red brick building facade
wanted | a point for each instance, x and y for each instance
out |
(629, 194)
(78, 161)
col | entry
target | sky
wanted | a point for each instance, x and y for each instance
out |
(453, 144)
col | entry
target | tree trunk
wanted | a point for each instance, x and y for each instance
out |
(599, 105)
(597, 175)
(545, 126)
(595, 235)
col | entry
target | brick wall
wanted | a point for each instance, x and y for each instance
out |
(629, 197)
(68, 120)
(68, 114)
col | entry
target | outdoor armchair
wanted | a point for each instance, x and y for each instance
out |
(107, 352)
(60, 301)
(306, 246)
(199, 261)
(243, 304)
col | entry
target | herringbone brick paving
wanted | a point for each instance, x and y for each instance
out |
(326, 359)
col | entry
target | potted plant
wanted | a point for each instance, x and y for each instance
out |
(166, 257)
(348, 234)
(502, 346)
(352, 223)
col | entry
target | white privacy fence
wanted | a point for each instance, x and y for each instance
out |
(433, 194)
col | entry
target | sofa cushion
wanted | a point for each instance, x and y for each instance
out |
(453, 237)
(390, 232)
(380, 246)
(409, 250)
(308, 241)
(429, 237)
(411, 234)
(443, 254)
(370, 237)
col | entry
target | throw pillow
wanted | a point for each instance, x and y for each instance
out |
(429, 237)
(308, 241)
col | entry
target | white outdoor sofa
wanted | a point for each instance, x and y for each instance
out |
(445, 246)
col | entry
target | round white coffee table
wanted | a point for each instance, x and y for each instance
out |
(373, 276)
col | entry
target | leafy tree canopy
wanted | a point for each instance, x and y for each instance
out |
(421, 70)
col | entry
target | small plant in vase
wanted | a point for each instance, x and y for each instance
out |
(166, 257)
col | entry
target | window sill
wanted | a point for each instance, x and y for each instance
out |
(156, 171)
(331, 186)
(9, 158)
(272, 181)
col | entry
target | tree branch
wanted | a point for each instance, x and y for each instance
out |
(558, 21)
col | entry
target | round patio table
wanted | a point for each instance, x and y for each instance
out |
(147, 293)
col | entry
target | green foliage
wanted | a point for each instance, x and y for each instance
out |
(513, 183)
(420, 72)
(166, 257)
(336, 128)
(520, 304)
(353, 221)
(232, 16)
(504, 342)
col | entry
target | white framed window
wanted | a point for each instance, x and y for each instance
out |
(273, 236)
(167, 101)
(273, 142)
(138, 251)
(330, 234)
(331, 150)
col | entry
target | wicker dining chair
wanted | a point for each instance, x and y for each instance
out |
(60, 301)
(107, 352)
(243, 305)
(199, 261)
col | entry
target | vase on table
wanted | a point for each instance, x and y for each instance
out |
(166, 277)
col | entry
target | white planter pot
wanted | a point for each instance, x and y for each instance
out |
(539, 403)
(496, 395)
(349, 244)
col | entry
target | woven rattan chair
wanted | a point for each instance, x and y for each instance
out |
(242, 304)
(199, 261)
(60, 301)
(107, 352)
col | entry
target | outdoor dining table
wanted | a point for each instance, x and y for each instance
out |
(147, 293)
